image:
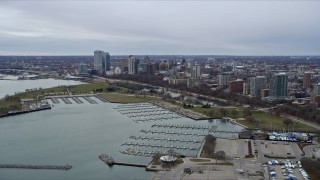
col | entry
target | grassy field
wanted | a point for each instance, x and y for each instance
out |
(272, 121)
(199, 160)
(9, 104)
(267, 120)
(94, 87)
(123, 98)
(214, 112)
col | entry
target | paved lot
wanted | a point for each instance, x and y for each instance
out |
(233, 148)
(251, 167)
(211, 172)
(228, 146)
(201, 170)
(277, 149)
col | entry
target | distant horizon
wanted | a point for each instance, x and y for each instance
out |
(229, 28)
(172, 55)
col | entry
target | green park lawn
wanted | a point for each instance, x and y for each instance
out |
(214, 112)
(270, 121)
(124, 98)
(266, 120)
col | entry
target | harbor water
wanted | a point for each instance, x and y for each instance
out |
(76, 134)
(12, 85)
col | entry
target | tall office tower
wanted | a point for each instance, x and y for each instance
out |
(82, 69)
(223, 80)
(279, 86)
(307, 80)
(256, 84)
(316, 91)
(132, 63)
(101, 61)
(195, 72)
(246, 88)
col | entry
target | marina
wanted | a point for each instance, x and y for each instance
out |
(146, 112)
(159, 130)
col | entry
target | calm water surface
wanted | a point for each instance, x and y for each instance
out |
(13, 85)
(76, 134)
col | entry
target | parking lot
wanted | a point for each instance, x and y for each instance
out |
(286, 169)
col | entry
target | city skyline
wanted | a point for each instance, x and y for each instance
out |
(160, 28)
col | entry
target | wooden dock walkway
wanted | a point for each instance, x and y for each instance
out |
(110, 161)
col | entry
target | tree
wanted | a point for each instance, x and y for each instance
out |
(278, 112)
(223, 111)
(234, 112)
(288, 122)
(247, 112)
(250, 118)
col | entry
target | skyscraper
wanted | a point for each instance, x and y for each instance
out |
(279, 86)
(132, 65)
(101, 61)
(256, 84)
(307, 80)
(316, 91)
(223, 80)
(195, 71)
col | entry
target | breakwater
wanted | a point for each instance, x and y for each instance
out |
(24, 166)
(13, 113)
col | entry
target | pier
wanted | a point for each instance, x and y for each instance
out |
(110, 161)
(23, 166)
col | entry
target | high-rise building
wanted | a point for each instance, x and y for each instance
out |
(101, 61)
(279, 86)
(132, 65)
(195, 72)
(82, 69)
(246, 88)
(236, 86)
(256, 84)
(316, 90)
(307, 80)
(223, 80)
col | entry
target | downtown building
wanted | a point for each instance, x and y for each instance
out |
(223, 80)
(132, 65)
(236, 86)
(256, 84)
(307, 80)
(279, 86)
(101, 62)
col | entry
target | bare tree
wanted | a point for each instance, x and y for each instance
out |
(234, 112)
(223, 111)
(288, 122)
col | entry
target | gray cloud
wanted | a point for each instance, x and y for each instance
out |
(160, 27)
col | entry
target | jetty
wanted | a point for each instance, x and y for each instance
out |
(24, 166)
(110, 161)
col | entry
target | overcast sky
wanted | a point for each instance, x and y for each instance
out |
(160, 27)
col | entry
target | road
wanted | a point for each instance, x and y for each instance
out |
(308, 151)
